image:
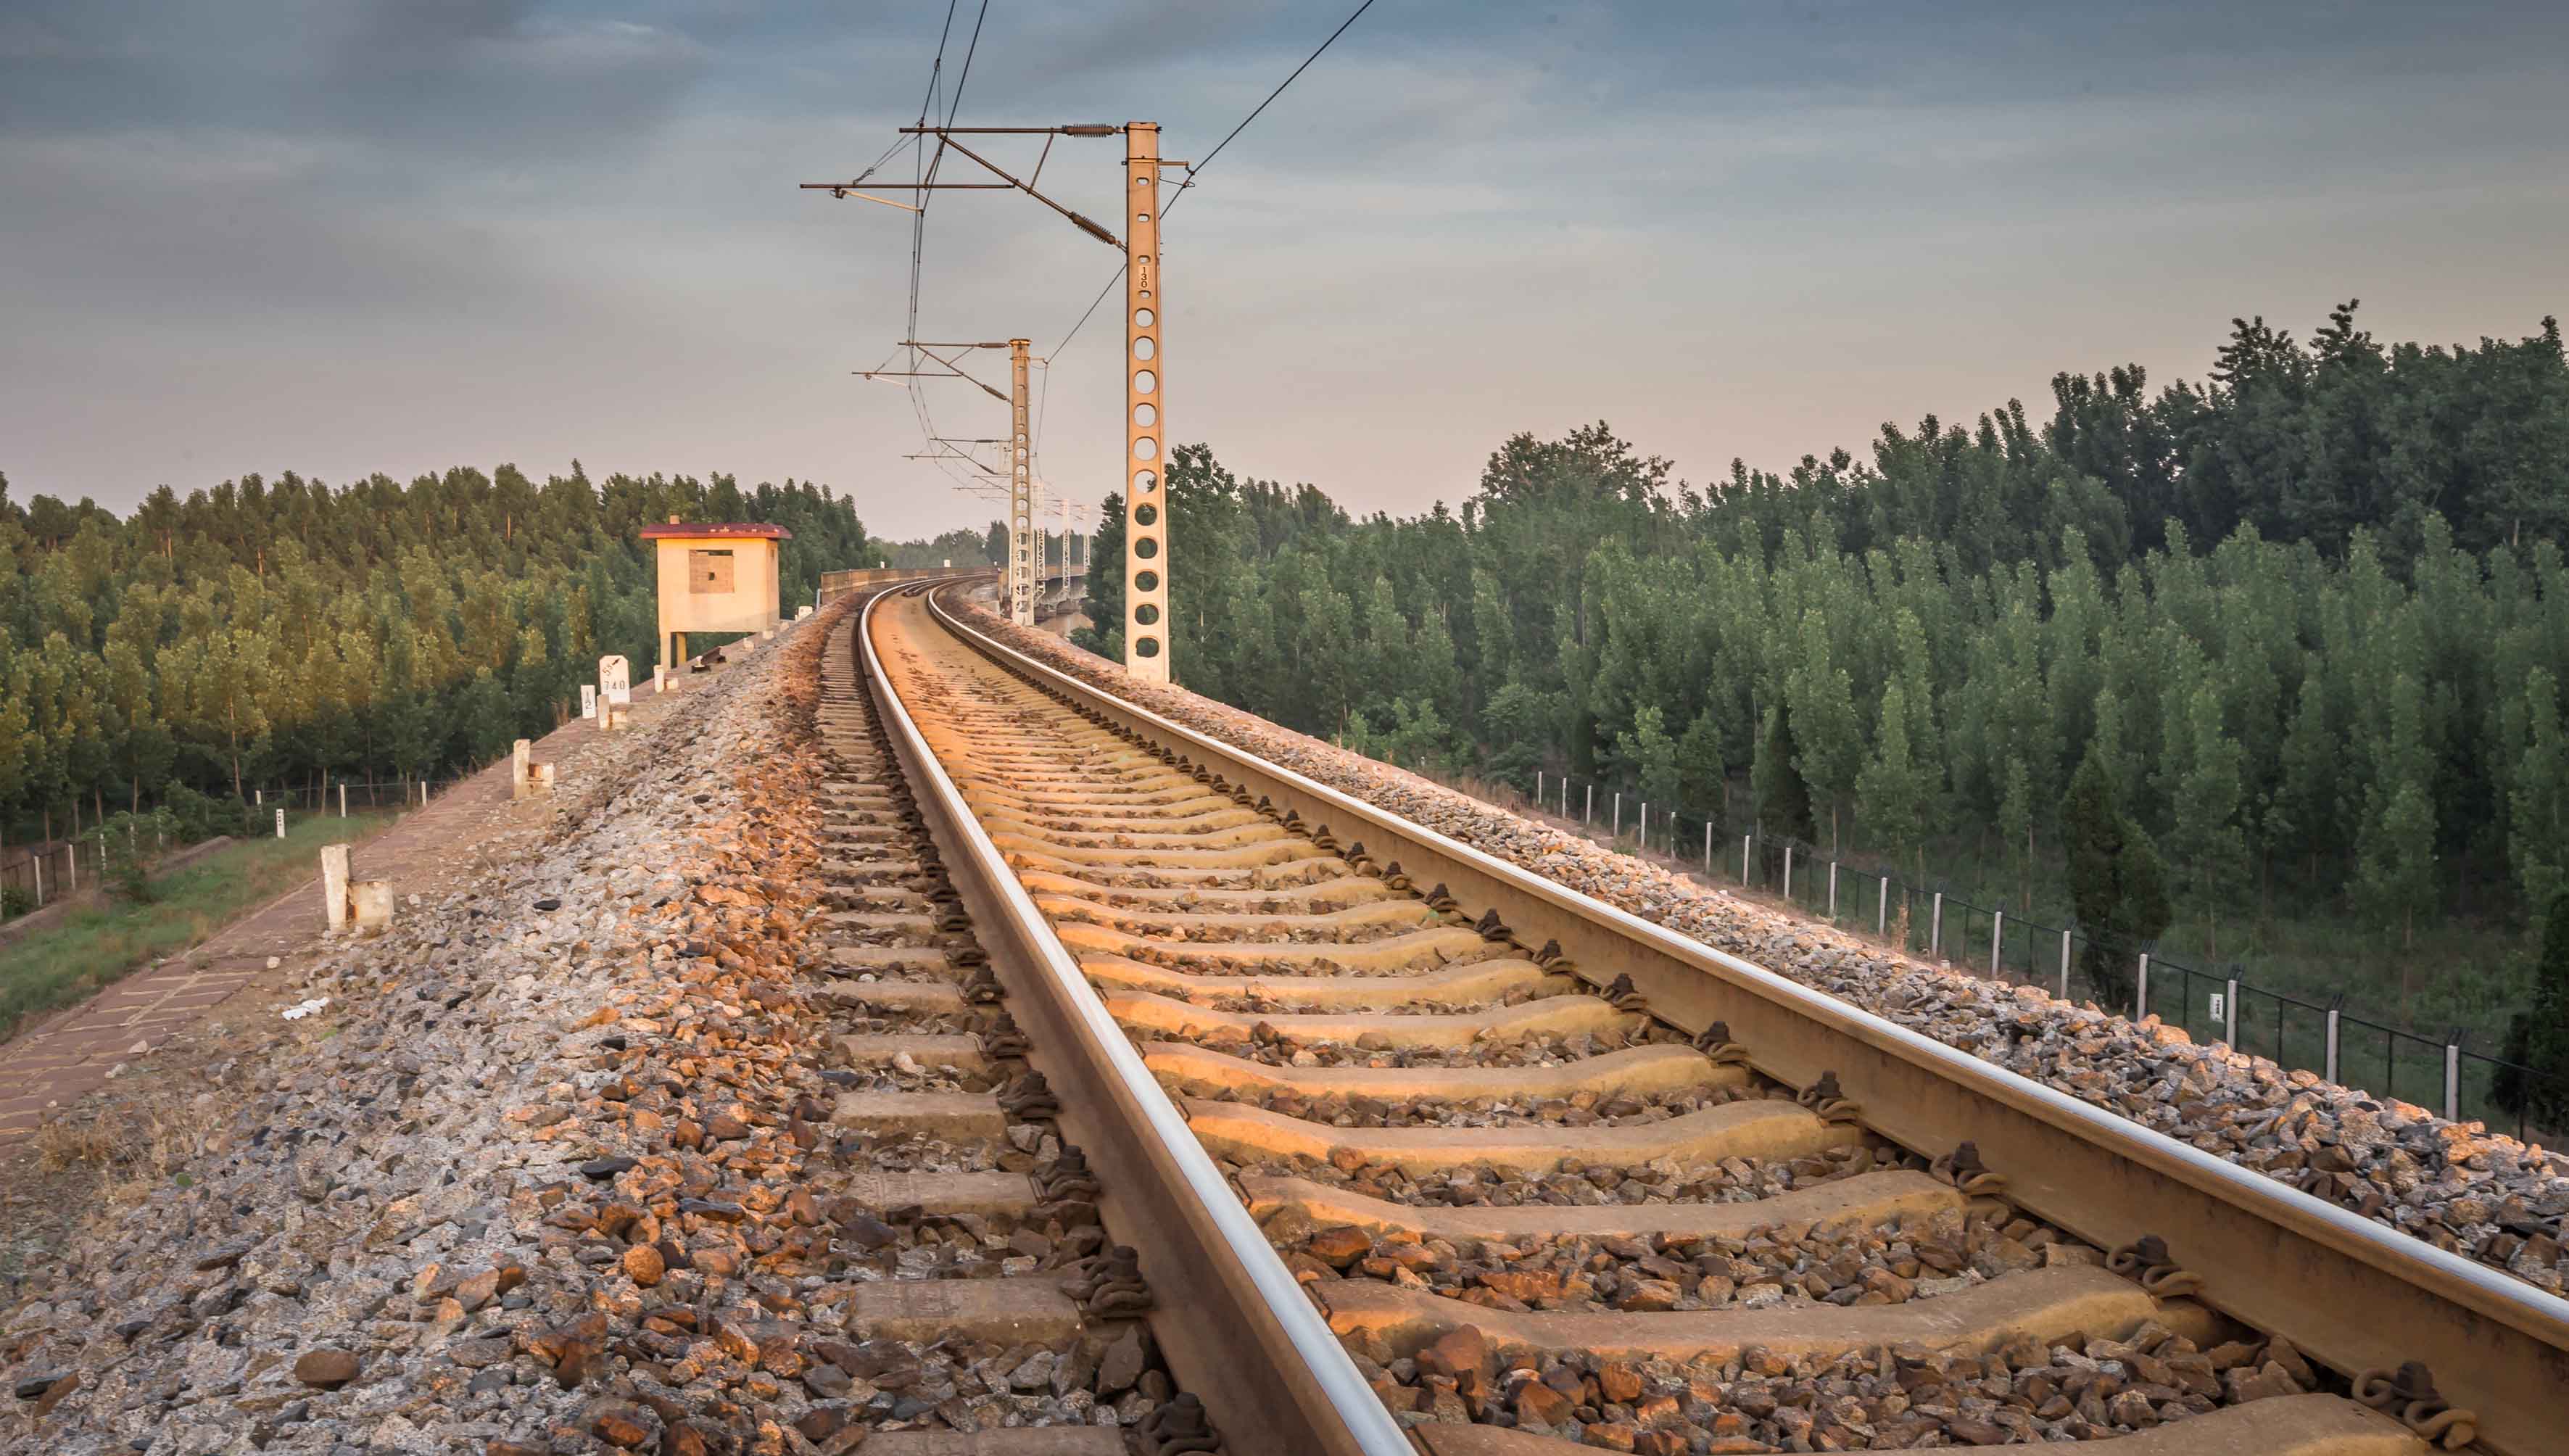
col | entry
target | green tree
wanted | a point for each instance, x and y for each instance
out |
(2208, 841)
(2538, 801)
(2395, 848)
(1891, 793)
(1828, 737)
(2537, 1038)
(1783, 804)
(2118, 884)
(1653, 755)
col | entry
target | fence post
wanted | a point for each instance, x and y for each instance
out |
(1645, 825)
(1565, 796)
(2453, 1075)
(1707, 847)
(1537, 785)
(1588, 809)
(2141, 997)
(1833, 891)
(1936, 929)
(2331, 1070)
(1788, 872)
(2230, 1014)
(1998, 934)
(280, 824)
(71, 860)
(1745, 840)
(1618, 814)
(343, 798)
(258, 798)
(1882, 908)
(2064, 965)
(37, 864)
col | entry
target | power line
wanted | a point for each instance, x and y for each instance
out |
(1197, 169)
(1192, 174)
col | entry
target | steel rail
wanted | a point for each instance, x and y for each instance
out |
(2348, 1292)
(1248, 1340)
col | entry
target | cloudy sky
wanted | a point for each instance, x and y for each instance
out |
(347, 236)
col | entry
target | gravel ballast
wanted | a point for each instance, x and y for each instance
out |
(2484, 1196)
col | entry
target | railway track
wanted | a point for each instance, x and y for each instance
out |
(1445, 1156)
(987, 1312)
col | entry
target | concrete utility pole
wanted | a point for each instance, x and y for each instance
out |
(1146, 527)
(1022, 498)
(1146, 532)
(1022, 511)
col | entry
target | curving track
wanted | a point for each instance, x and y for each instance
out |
(1538, 1167)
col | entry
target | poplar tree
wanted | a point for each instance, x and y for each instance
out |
(1653, 755)
(2118, 884)
(2538, 800)
(1891, 792)
(2537, 1037)
(1783, 804)
(1828, 737)
(2395, 849)
(2208, 840)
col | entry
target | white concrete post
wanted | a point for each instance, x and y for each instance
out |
(1936, 927)
(1587, 807)
(1618, 814)
(370, 903)
(2064, 965)
(2141, 995)
(37, 864)
(2230, 1014)
(1833, 891)
(2452, 1080)
(1565, 796)
(519, 785)
(2331, 1070)
(71, 860)
(1707, 846)
(1788, 872)
(334, 884)
(1997, 932)
(1882, 908)
(280, 824)
(258, 798)
(1745, 840)
(1645, 825)
(588, 701)
(1538, 788)
(343, 799)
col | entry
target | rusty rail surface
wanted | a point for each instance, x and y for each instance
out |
(1243, 1337)
(2353, 1294)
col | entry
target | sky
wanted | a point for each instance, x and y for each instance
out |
(340, 236)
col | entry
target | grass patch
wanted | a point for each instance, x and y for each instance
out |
(103, 940)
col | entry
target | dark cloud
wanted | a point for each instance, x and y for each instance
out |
(351, 234)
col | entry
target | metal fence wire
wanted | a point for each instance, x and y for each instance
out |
(2442, 1075)
(33, 877)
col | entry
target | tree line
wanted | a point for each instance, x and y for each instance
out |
(2300, 628)
(269, 633)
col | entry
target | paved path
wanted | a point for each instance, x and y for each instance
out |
(67, 1055)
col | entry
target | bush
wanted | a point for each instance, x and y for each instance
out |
(130, 881)
(15, 901)
(196, 815)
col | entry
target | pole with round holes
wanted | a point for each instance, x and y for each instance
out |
(1021, 493)
(1146, 522)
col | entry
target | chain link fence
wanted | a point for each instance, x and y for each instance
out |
(37, 875)
(2442, 1074)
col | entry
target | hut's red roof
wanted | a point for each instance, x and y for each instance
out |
(726, 527)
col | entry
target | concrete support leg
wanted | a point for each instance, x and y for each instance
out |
(519, 785)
